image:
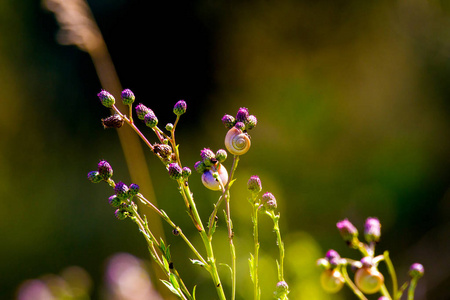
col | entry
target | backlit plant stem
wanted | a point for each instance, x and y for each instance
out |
(255, 263)
(351, 285)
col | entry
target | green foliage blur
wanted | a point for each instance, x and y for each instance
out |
(352, 100)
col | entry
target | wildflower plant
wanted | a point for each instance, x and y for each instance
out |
(214, 176)
(368, 279)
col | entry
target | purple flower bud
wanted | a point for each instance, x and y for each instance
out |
(367, 262)
(142, 110)
(372, 230)
(121, 190)
(242, 115)
(133, 190)
(251, 122)
(114, 121)
(106, 99)
(221, 155)
(269, 201)
(94, 177)
(104, 169)
(199, 167)
(151, 120)
(114, 201)
(347, 231)
(240, 125)
(175, 172)
(332, 254)
(416, 270)
(127, 97)
(207, 156)
(254, 184)
(228, 121)
(282, 289)
(121, 214)
(179, 108)
(186, 172)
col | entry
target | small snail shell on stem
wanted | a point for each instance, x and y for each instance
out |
(212, 183)
(237, 142)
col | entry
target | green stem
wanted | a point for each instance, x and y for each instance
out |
(151, 241)
(412, 288)
(351, 285)
(276, 228)
(392, 273)
(207, 242)
(255, 275)
(174, 226)
(223, 196)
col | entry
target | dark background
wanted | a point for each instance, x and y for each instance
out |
(352, 100)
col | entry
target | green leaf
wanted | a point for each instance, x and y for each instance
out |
(197, 262)
(166, 264)
(193, 292)
(174, 281)
(170, 287)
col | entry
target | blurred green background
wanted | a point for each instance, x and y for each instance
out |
(353, 104)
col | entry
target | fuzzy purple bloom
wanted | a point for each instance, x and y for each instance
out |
(240, 125)
(242, 115)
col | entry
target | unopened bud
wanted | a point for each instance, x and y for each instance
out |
(348, 232)
(242, 115)
(416, 270)
(114, 121)
(114, 201)
(221, 155)
(254, 184)
(269, 202)
(180, 108)
(150, 120)
(94, 177)
(228, 121)
(372, 230)
(127, 97)
(175, 172)
(251, 122)
(106, 99)
(104, 169)
(133, 190)
(142, 110)
(121, 190)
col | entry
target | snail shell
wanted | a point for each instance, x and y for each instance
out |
(212, 183)
(237, 142)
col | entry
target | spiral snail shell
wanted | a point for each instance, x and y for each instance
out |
(212, 183)
(237, 142)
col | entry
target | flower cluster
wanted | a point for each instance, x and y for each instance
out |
(214, 174)
(237, 140)
(367, 278)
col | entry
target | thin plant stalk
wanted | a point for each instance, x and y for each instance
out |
(255, 262)
(392, 273)
(351, 285)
